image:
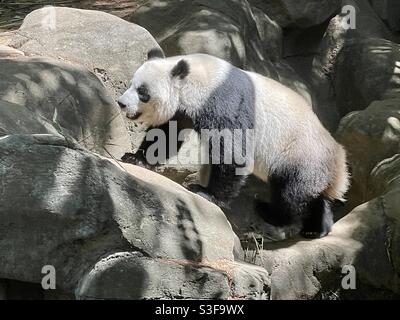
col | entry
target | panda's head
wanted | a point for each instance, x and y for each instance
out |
(153, 95)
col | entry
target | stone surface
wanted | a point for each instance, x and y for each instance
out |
(42, 95)
(366, 70)
(389, 11)
(298, 13)
(110, 47)
(8, 52)
(228, 29)
(367, 238)
(370, 136)
(325, 67)
(91, 218)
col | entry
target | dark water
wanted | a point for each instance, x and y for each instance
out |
(13, 12)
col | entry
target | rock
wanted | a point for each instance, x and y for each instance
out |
(295, 13)
(107, 45)
(15, 118)
(112, 231)
(111, 278)
(41, 95)
(3, 292)
(366, 71)
(389, 11)
(8, 52)
(228, 29)
(323, 68)
(376, 129)
(367, 238)
(110, 47)
(314, 269)
(367, 22)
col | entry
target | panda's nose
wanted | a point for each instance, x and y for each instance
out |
(121, 104)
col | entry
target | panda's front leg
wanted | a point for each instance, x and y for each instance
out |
(224, 184)
(139, 157)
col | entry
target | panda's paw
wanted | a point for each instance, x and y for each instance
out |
(137, 159)
(315, 228)
(201, 191)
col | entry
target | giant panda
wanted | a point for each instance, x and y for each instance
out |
(305, 166)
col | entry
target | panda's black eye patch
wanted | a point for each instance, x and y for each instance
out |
(143, 93)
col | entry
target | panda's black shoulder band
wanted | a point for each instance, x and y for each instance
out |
(181, 69)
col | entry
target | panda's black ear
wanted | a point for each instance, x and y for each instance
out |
(155, 53)
(180, 70)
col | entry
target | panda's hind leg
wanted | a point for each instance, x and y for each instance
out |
(296, 199)
(318, 220)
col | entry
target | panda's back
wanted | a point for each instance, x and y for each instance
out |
(285, 127)
(287, 130)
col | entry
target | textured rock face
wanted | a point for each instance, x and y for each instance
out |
(117, 231)
(228, 29)
(372, 137)
(299, 13)
(42, 95)
(8, 52)
(368, 237)
(109, 46)
(90, 219)
(367, 70)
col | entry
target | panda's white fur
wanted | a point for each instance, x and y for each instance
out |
(287, 133)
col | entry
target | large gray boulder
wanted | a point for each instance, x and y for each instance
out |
(8, 52)
(228, 29)
(366, 70)
(112, 230)
(366, 239)
(372, 137)
(42, 95)
(110, 47)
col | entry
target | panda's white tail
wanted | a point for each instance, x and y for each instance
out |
(341, 179)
